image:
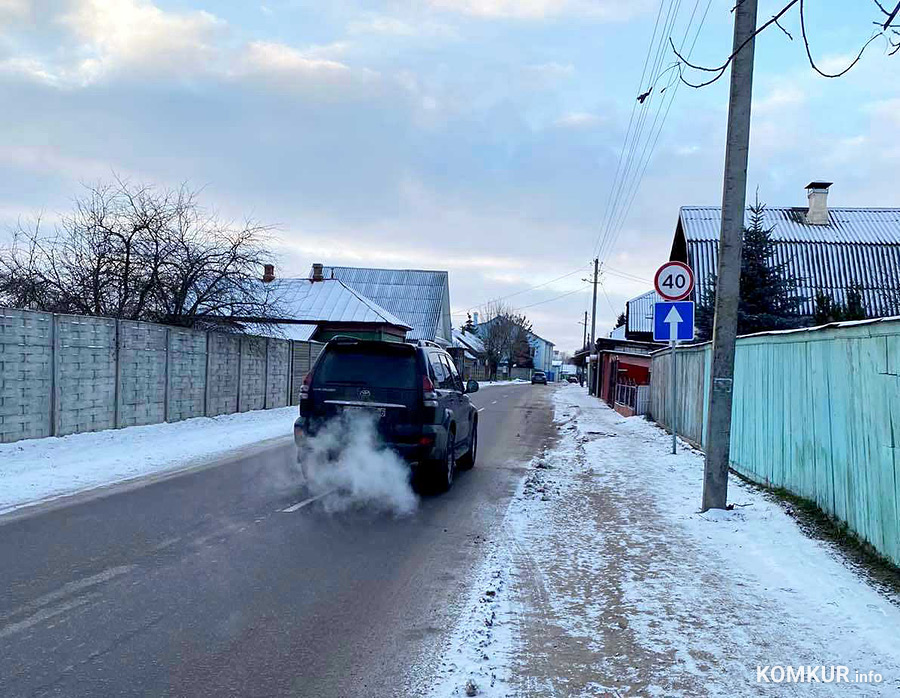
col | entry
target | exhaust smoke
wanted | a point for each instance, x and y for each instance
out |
(347, 460)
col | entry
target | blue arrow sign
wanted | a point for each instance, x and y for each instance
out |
(673, 321)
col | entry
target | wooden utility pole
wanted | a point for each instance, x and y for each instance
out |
(728, 279)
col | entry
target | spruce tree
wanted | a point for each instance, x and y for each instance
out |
(769, 296)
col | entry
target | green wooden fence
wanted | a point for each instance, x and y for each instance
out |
(815, 411)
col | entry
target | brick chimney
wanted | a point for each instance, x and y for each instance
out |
(817, 192)
(318, 272)
(268, 273)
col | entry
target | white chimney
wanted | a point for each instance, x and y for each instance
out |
(818, 203)
(475, 318)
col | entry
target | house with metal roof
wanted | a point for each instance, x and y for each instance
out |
(827, 250)
(319, 309)
(639, 317)
(419, 298)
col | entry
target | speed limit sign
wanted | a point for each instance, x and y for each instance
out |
(674, 281)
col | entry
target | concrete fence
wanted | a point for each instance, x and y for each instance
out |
(64, 374)
(816, 412)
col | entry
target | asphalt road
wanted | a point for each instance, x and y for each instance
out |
(201, 585)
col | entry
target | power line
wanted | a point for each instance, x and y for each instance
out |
(550, 300)
(524, 290)
(652, 141)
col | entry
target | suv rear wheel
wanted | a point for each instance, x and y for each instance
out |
(468, 459)
(445, 470)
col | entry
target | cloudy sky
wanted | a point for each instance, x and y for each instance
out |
(478, 136)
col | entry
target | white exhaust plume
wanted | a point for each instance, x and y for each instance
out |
(348, 460)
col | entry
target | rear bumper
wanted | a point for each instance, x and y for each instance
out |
(428, 444)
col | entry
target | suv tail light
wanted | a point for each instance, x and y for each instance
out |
(428, 394)
(304, 389)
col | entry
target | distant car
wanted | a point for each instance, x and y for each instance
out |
(415, 393)
(539, 377)
(572, 378)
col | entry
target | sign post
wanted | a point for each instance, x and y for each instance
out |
(673, 320)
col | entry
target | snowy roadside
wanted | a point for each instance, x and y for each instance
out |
(37, 470)
(491, 384)
(615, 585)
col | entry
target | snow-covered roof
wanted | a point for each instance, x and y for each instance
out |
(330, 300)
(471, 342)
(857, 246)
(299, 332)
(420, 298)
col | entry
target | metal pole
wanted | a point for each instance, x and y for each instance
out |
(674, 400)
(728, 280)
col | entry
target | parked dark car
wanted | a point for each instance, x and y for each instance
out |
(414, 391)
(539, 377)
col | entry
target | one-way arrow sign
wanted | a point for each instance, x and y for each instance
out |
(673, 321)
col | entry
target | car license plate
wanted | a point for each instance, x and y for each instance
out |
(380, 411)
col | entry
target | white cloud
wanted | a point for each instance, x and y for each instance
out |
(612, 10)
(779, 99)
(15, 9)
(394, 26)
(577, 120)
(136, 34)
(275, 59)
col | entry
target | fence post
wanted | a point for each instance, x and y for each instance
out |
(266, 376)
(240, 370)
(166, 385)
(207, 383)
(117, 393)
(54, 379)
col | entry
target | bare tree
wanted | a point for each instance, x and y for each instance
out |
(886, 27)
(505, 336)
(138, 253)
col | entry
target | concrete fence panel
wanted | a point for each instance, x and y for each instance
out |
(223, 374)
(26, 374)
(85, 385)
(186, 373)
(253, 374)
(64, 374)
(278, 372)
(142, 355)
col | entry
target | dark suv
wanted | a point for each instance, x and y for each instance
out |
(415, 392)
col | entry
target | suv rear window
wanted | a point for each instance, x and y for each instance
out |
(372, 367)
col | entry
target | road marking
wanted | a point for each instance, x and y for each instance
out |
(299, 505)
(481, 410)
(494, 402)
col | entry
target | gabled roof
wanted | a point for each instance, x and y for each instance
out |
(873, 226)
(416, 296)
(858, 246)
(469, 341)
(639, 315)
(328, 301)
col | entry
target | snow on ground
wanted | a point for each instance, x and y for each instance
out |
(616, 585)
(40, 469)
(491, 384)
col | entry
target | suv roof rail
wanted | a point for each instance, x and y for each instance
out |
(344, 339)
(428, 343)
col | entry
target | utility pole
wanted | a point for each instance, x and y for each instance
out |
(728, 279)
(585, 323)
(593, 370)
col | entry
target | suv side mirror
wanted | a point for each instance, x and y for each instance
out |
(471, 386)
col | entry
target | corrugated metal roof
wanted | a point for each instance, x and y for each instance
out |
(416, 296)
(640, 312)
(328, 301)
(860, 246)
